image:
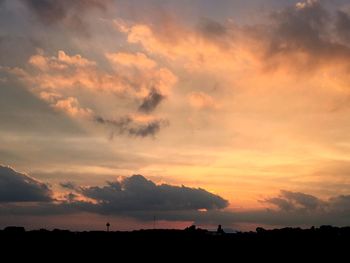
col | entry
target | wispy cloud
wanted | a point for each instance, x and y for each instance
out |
(133, 127)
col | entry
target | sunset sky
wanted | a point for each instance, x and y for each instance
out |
(201, 112)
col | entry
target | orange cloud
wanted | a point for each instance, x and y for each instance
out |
(299, 40)
(76, 60)
(193, 49)
(67, 80)
(61, 80)
(143, 72)
(70, 72)
(307, 3)
(201, 100)
(138, 60)
(61, 62)
(69, 105)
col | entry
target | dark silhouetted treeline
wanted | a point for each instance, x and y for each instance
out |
(291, 242)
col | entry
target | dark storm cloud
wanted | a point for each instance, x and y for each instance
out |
(126, 125)
(18, 187)
(150, 102)
(136, 193)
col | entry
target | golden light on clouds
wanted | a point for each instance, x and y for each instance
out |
(240, 109)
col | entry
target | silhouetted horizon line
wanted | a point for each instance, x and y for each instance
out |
(192, 228)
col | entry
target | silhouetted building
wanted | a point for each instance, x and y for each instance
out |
(220, 230)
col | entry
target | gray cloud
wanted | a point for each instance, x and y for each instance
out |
(340, 203)
(212, 29)
(289, 201)
(150, 102)
(300, 28)
(149, 129)
(18, 187)
(65, 12)
(307, 28)
(136, 193)
(22, 112)
(343, 25)
(68, 185)
(126, 125)
(218, 33)
(306, 206)
(51, 11)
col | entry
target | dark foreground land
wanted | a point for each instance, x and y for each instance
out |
(150, 244)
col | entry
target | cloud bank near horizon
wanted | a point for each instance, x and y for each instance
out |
(141, 199)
